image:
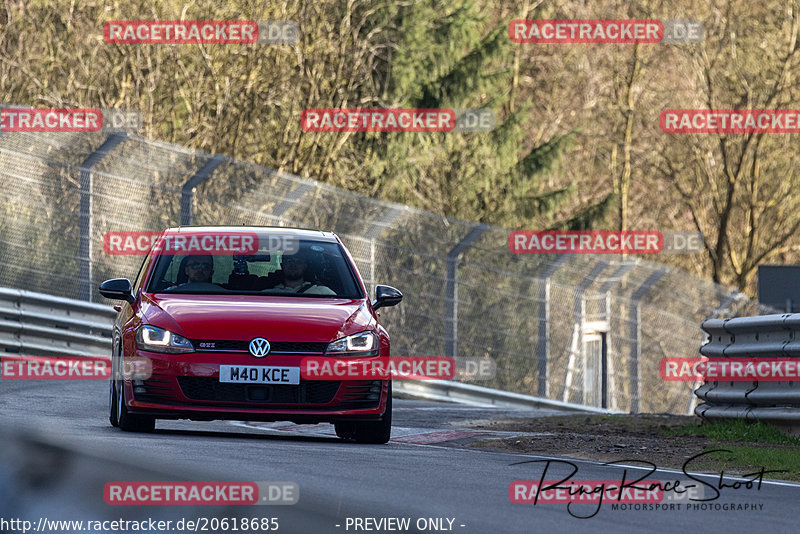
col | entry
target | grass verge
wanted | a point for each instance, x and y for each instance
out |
(753, 445)
(664, 440)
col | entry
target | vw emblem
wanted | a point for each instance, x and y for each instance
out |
(259, 347)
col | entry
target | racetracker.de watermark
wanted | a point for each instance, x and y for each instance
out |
(378, 368)
(552, 31)
(397, 120)
(701, 369)
(38, 120)
(604, 242)
(201, 493)
(139, 243)
(648, 495)
(584, 491)
(200, 32)
(730, 121)
(19, 367)
(473, 369)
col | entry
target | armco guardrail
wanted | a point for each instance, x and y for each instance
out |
(445, 390)
(561, 325)
(36, 324)
(764, 336)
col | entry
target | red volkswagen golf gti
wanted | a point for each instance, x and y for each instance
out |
(223, 316)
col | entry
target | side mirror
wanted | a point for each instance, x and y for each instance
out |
(117, 289)
(386, 296)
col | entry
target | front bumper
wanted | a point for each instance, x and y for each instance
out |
(187, 386)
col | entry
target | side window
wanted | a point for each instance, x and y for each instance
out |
(137, 285)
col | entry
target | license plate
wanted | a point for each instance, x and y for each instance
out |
(259, 374)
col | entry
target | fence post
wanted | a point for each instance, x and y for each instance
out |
(85, 222)
(451, 288)
(636, 337)
(374, 231)
(604, 370)
(291, 200)
(578, 320)
(543, 341)
(187, 191)
(372, 262)
(616, 279)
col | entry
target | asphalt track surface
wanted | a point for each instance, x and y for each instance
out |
(426, 471)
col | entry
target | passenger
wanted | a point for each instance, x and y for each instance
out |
(295, 271)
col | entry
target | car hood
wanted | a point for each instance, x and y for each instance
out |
(238, 317)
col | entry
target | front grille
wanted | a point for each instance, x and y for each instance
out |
(210, 389)
(230, 345)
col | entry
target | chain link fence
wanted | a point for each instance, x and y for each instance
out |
(576, 328)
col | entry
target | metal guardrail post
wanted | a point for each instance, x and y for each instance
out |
(187, 191)
(451, 288)
(543, 341)
(85, 215)
(636, 337)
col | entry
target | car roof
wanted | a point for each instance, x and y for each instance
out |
(298, 233)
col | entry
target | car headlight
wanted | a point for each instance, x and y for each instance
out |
(361, 344)
(156, 339)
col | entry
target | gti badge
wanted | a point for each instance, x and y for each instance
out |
(259, 347)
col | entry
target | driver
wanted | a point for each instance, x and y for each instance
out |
(197, 270)
(295, 267)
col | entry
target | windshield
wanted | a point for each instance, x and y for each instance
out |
(306, 268)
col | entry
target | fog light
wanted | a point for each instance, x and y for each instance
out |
(140, 389)
(372, 396)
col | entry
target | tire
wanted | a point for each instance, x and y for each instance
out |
(345, 430)
(374, 432)
(129, 422)
(112, 404)
(112, 391)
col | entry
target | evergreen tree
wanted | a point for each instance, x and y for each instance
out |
(493, 177)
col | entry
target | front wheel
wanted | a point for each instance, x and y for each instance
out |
(112, 404)
(376, 432)
(129, 422)
(112, 390)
